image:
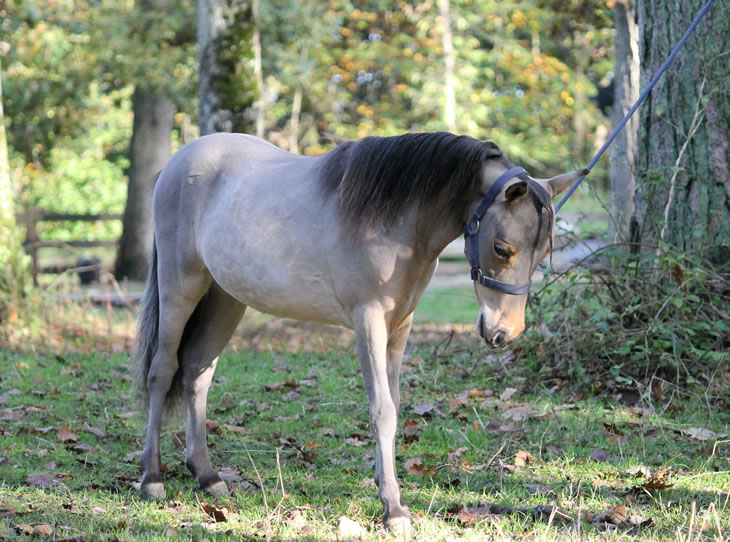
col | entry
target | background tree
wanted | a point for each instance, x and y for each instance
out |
(227, 87)
(684, 132)
(626, 92)
(149, 151)
(157, 26)
(13, 271)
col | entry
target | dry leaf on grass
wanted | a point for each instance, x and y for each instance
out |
(37, 530)
(523, 458)
(355, 441)
(424, 409)
(700, 433)
(615, 515)
(507, 394)
(219, 515)
(347, 529)
(65, 434)
(600, 456)
(415, 466)
(518, 413)
(43, 480)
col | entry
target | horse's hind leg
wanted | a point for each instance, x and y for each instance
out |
(210, 327)
(177, 301)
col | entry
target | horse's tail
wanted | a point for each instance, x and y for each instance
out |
(147, 329)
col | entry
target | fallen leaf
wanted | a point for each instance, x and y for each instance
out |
(170, 532)
(507, 394)
(348, 529)
(700, 433)
(639, 520)
(86, 448)
(65, 434)
(235, 429)
(600, 455)
(43, 480)
(517, 414)
(424, 409)
(455, 456)
(276, 386)
(12, 414)
(355, 441)
(616, 515)
(131, 456)
(4, 396)
(296, 520)
(523, 458)
(7, 511)
(468, 515)
(415, 466)
(24, 528)
(215, 513)
(411, 431)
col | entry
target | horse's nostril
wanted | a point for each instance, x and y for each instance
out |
(480, 325)
(498, 339)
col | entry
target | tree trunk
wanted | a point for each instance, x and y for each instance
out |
(296, 111)
(258, 69)
(149, 151)
(449, 61)
(684, 130)
(228, 85)
(626, 92)
(13, 265)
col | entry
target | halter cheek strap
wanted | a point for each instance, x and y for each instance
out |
(470, 235)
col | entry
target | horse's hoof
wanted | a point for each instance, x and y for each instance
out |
(154, 491)
(217, 489)
(400, 527)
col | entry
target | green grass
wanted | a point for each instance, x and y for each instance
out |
(307, 438)
(447, 305)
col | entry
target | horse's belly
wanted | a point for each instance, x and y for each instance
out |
(310, 302)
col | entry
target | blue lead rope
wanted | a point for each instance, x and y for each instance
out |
(643, 96)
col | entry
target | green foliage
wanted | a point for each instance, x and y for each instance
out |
(633, 319)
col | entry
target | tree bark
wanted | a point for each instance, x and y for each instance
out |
(228, 86)
(449, 66)
(149, 151)
(296, 111)
(626, 92)
(13, 265)
(258, 69)
(684, 130)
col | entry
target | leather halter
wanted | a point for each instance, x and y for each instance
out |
(471, 228)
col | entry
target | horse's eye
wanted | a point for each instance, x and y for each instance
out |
(502, 251)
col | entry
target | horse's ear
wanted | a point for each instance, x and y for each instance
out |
(515, 191)
(493, 151)
(560, 183)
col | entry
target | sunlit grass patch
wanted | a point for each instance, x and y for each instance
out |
(483, 453)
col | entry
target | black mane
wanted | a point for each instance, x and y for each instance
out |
(376, 178)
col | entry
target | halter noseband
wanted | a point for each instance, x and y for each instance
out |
(471, 228)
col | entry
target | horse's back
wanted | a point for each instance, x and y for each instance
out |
(254, 216)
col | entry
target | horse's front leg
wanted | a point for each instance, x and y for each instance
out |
(372, 345)
(396, 346)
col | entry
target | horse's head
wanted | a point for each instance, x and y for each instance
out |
(509, 231)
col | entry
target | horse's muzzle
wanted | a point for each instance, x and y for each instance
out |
(496, 338)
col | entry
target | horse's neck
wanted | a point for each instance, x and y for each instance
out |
(436, 231)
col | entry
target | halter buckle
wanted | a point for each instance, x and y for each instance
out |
(476, 273)
(472, 230)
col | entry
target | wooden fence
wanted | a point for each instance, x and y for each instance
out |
(33, 242)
